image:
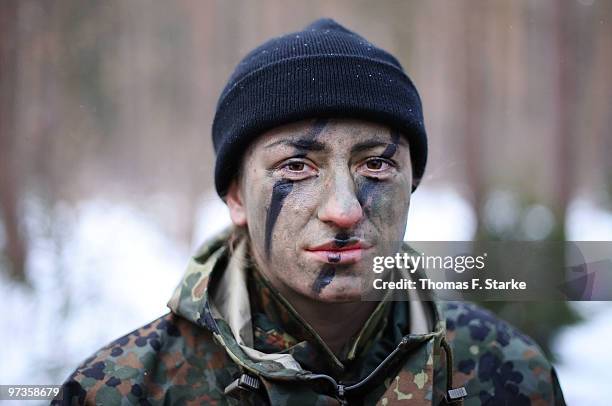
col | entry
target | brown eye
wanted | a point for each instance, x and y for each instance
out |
(296, 166)
(377, 168)
(297, 170)
(375, 164)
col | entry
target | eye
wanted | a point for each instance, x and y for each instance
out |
(295, 166)
(296, 170)
(376, 164)
(376, 167)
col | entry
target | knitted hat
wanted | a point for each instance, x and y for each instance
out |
(323, 71)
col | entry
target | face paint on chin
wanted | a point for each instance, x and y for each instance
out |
(334, 257)
(280, 191)
(325, 277)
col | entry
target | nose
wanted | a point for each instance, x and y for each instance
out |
(339, 204)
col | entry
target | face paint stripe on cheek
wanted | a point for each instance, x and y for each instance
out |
(280, 191)
(366, 190)
(365, 194)
(325, 277)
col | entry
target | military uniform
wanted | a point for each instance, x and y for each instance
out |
(230, 338)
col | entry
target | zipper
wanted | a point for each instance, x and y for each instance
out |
(453, 396)
(341, 390)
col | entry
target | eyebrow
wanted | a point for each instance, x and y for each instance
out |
(300, 143)
(362, 146)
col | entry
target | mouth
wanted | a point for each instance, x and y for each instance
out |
(333, 253)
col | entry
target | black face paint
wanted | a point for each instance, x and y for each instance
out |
(365, 194)
(335, 257)
(391, 148)
(342, 236)
(324, 278)
(367, 189)
(316, 129)
(280, 191)
(303, 145)
(309, 141)
(342, 239)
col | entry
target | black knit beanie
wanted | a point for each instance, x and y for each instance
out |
(323, 71)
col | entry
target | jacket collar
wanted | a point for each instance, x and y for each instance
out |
(279, 328)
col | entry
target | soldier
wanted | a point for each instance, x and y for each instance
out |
(320, 142)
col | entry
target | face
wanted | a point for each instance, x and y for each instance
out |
(320, 199)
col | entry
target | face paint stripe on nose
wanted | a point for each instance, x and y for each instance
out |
(280, 191)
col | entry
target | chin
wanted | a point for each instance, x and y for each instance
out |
(332, 298)
(338, 293)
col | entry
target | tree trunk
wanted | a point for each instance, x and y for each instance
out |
(14, 248)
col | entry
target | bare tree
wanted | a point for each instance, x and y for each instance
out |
(15, 246)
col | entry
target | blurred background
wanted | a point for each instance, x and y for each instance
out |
(106, 160)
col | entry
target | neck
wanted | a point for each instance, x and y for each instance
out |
(335, 327)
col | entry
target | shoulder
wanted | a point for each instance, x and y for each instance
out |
(496, 362)
(169, 358)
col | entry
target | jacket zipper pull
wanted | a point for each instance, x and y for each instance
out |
(244, 384)
(340, 392)
(455, 396)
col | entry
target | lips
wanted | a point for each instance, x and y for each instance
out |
(330, 252)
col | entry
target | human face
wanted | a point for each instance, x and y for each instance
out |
(320, 199)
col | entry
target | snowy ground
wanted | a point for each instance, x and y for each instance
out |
(110, 275)
(584, 354)
(111, 269)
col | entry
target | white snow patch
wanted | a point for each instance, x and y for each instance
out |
(585, 359)
(584, 356)
(440, 214)
(212, 217)
(111, 271)
(586, 221)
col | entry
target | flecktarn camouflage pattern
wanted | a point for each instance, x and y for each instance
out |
(247, 345)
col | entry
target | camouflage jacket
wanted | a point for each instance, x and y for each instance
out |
(230, 338)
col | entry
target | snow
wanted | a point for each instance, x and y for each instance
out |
(113, 272)
(439, 214)
(584, 365)
(583, 350)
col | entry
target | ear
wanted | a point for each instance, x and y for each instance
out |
(236, 205)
